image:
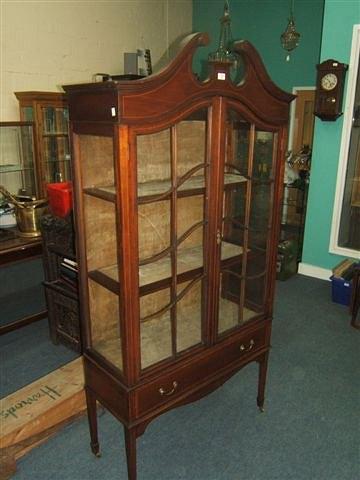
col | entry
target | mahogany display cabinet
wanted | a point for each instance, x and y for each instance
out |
(49, 112)
(177, 195)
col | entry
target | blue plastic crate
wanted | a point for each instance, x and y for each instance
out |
(341, 290)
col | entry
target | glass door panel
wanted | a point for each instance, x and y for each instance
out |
(99, 216)
(263, 155)
(171, 224)
(17, 169)
(246, 220)
(156, 335)
(56, 150)
(55, 120)
(260, 218)
(189, 314)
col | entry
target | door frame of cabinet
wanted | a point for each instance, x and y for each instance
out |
(37, 101)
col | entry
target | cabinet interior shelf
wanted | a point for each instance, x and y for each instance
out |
(157, 275)
(159, 190)
(14, 168)
(63, 160)
(55, 134)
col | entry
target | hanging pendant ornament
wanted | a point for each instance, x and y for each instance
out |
(290, 38)
(223, 53)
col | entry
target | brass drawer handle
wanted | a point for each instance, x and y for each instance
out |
(162, 391)
(243, 348)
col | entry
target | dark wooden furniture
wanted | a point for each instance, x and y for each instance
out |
(177, 194)
(61, 285)
(355, 300)
(14, 248)
(18, 176)
(49, 112)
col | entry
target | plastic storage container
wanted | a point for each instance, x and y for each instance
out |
(341, 290)
(60, 198)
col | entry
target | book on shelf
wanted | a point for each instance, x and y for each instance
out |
(70, 262)
(61, 120)
(69, 269)
(50, 121)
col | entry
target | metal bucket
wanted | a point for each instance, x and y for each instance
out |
(28, 212)
(28, 217)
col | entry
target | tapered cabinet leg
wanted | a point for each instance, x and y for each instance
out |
(130, 444)
(92, 417)
(263, 363)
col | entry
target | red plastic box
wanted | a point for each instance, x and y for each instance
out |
(60, 198)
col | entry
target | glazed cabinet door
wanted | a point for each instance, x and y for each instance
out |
(172, 179)
(246, 222)
(99, 246)
(54, 143)
(49, 112)
(17, 165)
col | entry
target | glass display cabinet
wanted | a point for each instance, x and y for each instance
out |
(177, 196)
(49, 112)
(17, 154)
(18, 177)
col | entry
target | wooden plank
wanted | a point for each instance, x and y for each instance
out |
(33, 413)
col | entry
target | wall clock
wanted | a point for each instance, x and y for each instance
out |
(329, 89)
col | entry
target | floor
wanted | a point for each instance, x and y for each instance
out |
(310, 429)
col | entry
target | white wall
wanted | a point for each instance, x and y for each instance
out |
(45, 44)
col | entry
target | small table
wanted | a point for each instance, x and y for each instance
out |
(14, 248)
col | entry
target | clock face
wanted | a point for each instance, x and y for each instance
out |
(329, 81)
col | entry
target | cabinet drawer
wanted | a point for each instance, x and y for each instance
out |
(202, 370)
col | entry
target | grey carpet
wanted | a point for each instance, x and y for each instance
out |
(27, 354)
(309, 431)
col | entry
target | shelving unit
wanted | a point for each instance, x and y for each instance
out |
(49, 112)
(61, 284)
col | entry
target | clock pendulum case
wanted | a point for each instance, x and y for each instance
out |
(329, 89)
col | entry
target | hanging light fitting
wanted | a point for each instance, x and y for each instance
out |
(223, 52)
(290, 37)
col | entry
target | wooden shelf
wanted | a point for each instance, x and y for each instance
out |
(157, 275)
(55, 134)
(159, 190)
(14, 168)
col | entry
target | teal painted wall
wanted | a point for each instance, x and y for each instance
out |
(339, 18)
(262, 22)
